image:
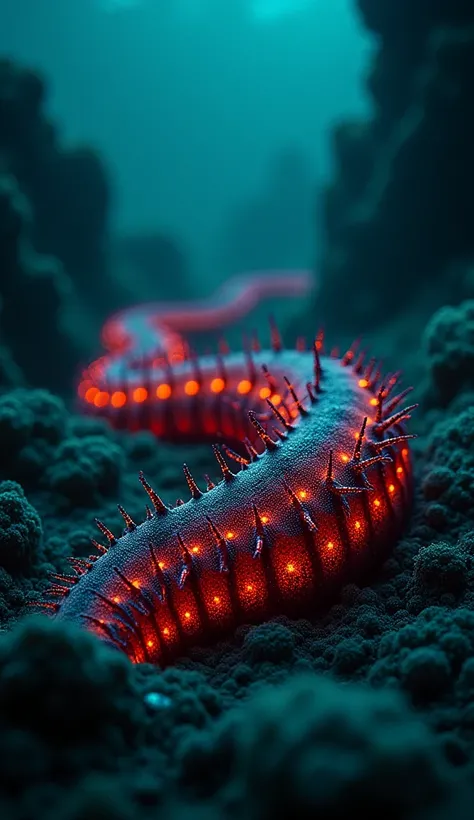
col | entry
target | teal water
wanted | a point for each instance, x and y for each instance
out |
(196, 106)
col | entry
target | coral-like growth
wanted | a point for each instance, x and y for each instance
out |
(449, 345)
(20, 528)
(314, 748)
(57, 683)
(33, 292)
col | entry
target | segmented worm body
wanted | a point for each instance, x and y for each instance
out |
(319, 490)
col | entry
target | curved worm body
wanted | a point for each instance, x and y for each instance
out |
(319, 490)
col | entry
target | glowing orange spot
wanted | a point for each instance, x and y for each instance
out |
(265, 519)
(244, 386)
(140, 394)
(217, 600)
(276, 399)
(166, 631)
(265, 393)
(101, 399)
(249, 588)
(161, 565)
(90, 394)
(163, 391)
(230, 535)
(116, 600)
(302, 494)
(118, 399)
(290, 567)
(149, 644)
(187, 615)
(330, 545)
(363, 383)
(83, 387)
(344, 457)
(399, 470)
(391, 488)
(195, 549)
(136, 584)
(217, 385)
(404, 451)
(191, 387)
(357, 525)
(374, 402)
(377, 502)
(356, 435)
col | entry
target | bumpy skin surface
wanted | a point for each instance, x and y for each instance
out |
(320, 503)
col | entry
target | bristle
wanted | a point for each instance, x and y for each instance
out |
(359, 362)
(380, 408)
(129, 523)
(68, 579)
(312, 397)
(294, 396)
(221, 371)
(226, 473)
(358, 444)
(255, 342)
(276, 341)
(251, 368)
(349, 355)
(402, 415)
(235, 456)
(368, 371)
(393, 403)
(99, 547)
(317, 367)
(252, 452)
(305, 517)
(106, 532)
(187, 560)
(286, 424)
(265, 438)
(271, 381)
(158, 572)
(320, 340)
(391, 442)
(52, 606)
(221, 546)
(155, 499)
(259, 532)
(193, 487)
(224, 348)
(336, 487)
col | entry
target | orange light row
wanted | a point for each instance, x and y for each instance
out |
(101, 398)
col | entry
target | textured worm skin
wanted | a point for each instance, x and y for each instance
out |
(277, 537)
(319, 491)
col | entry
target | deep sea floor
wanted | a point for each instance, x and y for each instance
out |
(368, 706)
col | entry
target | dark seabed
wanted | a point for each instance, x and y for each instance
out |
(368, 707)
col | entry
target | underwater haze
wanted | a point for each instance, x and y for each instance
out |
(190, 96)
